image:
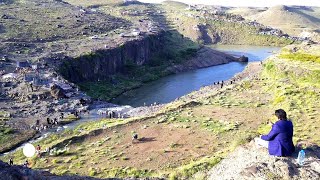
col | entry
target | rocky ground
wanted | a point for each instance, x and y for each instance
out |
(254, 162)
(20, 172)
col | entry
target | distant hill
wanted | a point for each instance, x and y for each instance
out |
(291, 19)
(175, 4)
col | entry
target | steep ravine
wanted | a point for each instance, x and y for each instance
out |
(100, 64)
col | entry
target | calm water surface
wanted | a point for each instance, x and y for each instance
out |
(171, 87)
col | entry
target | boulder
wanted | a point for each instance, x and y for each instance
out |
(252, 162)
(57, 92)
(243, 59)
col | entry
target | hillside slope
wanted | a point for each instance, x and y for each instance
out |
(213, 25)
(294, 20)
(189, 136)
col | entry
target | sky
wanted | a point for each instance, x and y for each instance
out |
(251, 3)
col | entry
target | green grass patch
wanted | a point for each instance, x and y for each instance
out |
(299, 56)
(187, 171)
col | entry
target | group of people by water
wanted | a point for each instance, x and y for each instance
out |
(111, 114)
(52, 122)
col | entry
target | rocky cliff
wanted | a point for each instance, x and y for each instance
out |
(205, 57)
(99, 65)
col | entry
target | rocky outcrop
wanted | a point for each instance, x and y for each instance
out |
(203, 30)
(15, 172)
(57, 92)
(205, 57)
(100, 64)
(243, 59)
(252, 162)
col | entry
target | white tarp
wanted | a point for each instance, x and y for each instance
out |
(9, 76)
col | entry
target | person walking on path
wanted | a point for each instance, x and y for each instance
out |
(279, 140)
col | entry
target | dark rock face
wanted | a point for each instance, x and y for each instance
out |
(205, 57)
(243, 59)
(103, 63)
(204, 35)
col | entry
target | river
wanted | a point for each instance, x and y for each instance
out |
(171, 87)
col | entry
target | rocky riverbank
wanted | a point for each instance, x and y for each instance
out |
(206, 57)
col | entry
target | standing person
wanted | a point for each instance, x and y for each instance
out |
(31, 86)
(279, 140)
(134, 137)
(110, 114)
(55, 121)
(61, 116)
(76, 114)
(48, 121)
(11, 161)
(38, 150)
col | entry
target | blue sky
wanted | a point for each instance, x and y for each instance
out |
(256, 3)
